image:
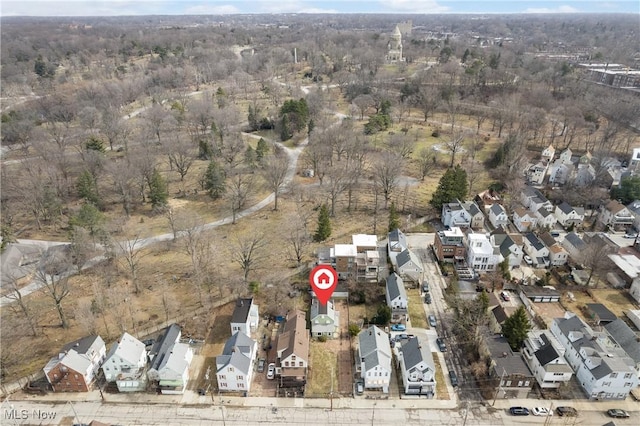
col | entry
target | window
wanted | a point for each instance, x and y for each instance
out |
(241, 385)
(240, 377)
(300, 364)
(613, 375)
(231, 369)
(293, 357)
(223, 377)
(627, 376)
(223, 385)
(286, 363)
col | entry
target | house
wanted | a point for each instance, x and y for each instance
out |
(533, 199)
(557, 254)
(292, 352)
(599, 313)
(449, 245)
(396, 296)
(537, 172)
(616, 216)
(574, 245)
(344, 258)
(476, 214)
(627, 339)
(75, 366)
(374, 358)
(417, 367)
(509, 249)
(364, 242)
(397, 242)
(234, 368)
(585, 174)
(325, 320)
(245, 316)
(170, 361)
(602, 368)
(543, 354)
(367, 265)
(486, 199)
(569, 216)
(538, 252)
(548, 153)
(482, 254)
(126, 363)
(560, 173)
(515, 380)
(536, 294)
(524, 220)
(455, 215)
(498, 216)
(408, 266)
(626, 268)
(546, 219)
(634, 209)
(497, 316)
(634, 290)
(634, 162)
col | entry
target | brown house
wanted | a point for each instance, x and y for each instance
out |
(76, 365)
(292, 352)
(449, 245)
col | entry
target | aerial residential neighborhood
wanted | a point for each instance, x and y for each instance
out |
(225, 216)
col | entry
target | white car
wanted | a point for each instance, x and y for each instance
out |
(271, 371)
(541, 411)
(528, 260)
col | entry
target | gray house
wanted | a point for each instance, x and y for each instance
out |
(396, 296)
(374, 358)
(417, 368)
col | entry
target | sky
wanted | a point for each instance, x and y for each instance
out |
(217, 7)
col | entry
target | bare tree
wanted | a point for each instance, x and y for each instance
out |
(14, 292)
(248, 253)
(86, 317)
(168, 300)
(181, 155)
(298, 240)
(274, 172)
(455, 145)
(238, 191)
(338, 182)
(158, 119)
(401, 145)
(53, 275)
(100, 304)
(124, 182)
(363, 103)
(131, 253)
(386, 173)
(426, 161)
(595, 257)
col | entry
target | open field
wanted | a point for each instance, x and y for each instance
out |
(416, 310)
(323, 370)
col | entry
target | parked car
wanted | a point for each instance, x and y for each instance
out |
(261, 363)
(519, 411)
(427, 299)
(441, 345)
(566, 411)
(630, 235)
(432, 320)
(398, 327)
(541, 411)
(617, 413)
(271, 371)
(403, 336)
(528, 260)
(453, 378)
(359, 388)
(505, 296)
(425, 286)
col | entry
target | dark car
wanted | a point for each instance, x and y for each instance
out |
(617, 413)
(261, 363)
(441, 345)
(566, 411)
(453, 378)
(425, 286)
(427, 299)
(519, 411)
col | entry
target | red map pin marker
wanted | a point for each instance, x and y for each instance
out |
(323, 280)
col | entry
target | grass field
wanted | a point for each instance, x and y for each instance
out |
(322, 370)
(416, 311)
(441, 385)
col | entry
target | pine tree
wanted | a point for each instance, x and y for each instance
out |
(87, 188)
(394, 217)
(324, 224)
(158, 191)
(213, 180)
(516, 327)
(88, 217)
(453, 185)
(95, 144)
(262, 149)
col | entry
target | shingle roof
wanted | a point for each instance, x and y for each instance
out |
(414, 352)
(499, 314)
(395, 287)
(565, 207)
(535, 242)
(505, 360)
(604, 314)
(546, 353)
(237, 352)
(497, 209)
(163, 345)
(575, 240)
(544, 212)
(241, 311)
(82, 345)
(294, 338)
(625, 337)
(373, 346)
(405, 257)
(128, 348)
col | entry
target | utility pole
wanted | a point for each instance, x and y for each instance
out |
(331, 392)
(466, 413)
(499, 387)
(547, 421)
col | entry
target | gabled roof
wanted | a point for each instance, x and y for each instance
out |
(505, 242)
(548, 239)
(499, 314)
(504, 359)
(413, 353)
(634, 207)
(546, 353)
(241, 311)
(544, 212)
(82, 345)
(163, 345)
(574, 240)
(128, 348)
(373, 346)
(614, 207)
(565, 207)
(397, 237)
(318, 308)
(237, 352)
(497, 209)
(395, 287)
(535, 242)
(625, 337)
(472, 208)
(175, 360)
(294, 338)
(77, 355)
(604, 314)
(405, 257)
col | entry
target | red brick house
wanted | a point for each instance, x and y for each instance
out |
(76, 365)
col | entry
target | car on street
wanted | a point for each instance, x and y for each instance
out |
(519, 411)
(432, 320)
(261, 363)
(564, 411)
(453, 378)
(271, 371)
(630, 235)
(505, 296)
(528, 260)
(425, 286)
(398, 327)
(403, 336)
(541, 411)
(617, 413)
(441, 345)
(359, 388)
(427, 299)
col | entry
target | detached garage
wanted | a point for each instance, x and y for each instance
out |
(541, 294)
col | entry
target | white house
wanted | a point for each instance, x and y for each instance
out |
(396, 295)
(498, 216)
(524, 220)
(544, 357)
(567, 215)
(374, 358)
(509, 249)
(546, 219)
(624, 336)
(533, 199)
(76, 365)
(482, 255)
(574, 245)
(616, 216)
(634, 161)
(234, 368)
(634, 209)
(417, 368)
(125, 364)
(409, 266)
(560, 173)
(538, 252)
(325, 320)
(537, 172)
(245, 316)
(602, 367)
(455, 215)
(477, 216)
(548, 153)
(170, 361)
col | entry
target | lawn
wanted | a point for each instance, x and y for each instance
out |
(416, 311)
(441, 385)
(322, 370)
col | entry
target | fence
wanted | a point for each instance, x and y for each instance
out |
(7, 389)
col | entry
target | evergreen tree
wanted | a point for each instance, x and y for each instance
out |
(158, 190)
(324, 224)
(88, 217)
(262, 149)
(250, 156)
(285, 131)
(213, 180)
(453, 185)
(87, 188)
(394, 217)
(628, 191)
(205, 152)
(95, 144)
(516, 327)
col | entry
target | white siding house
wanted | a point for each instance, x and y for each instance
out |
(498, 216)
(325, 320)
(125, 364)
(245, 316)
(396, 295)
(409, 266)
(544, 357)
(417, 368)
(234, 368)
(374, 358)
(482, 255)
